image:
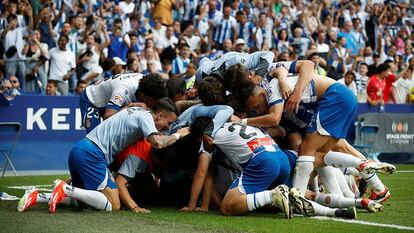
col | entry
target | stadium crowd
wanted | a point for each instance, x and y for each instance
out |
(264, 90)
(59, 47)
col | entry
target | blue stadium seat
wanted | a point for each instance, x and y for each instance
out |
(365, 137)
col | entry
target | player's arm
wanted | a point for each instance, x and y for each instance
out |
(126, 173)
(158, 141)
(305, 70)
(281, 74)
(198, 180)
(126, 197)
(269, 120)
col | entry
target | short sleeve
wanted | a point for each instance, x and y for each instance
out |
(273, 96)
(117, 99)
(290, 66)
(146, 124)
(131, 166)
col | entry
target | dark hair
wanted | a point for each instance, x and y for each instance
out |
(152, 85)
(175, 86)
(363, 64)
(350, 72)
(51, 81)
(11, 17)
(64, 36)
(199, 126)
(165, 105)
(233, 101)
(312, 55)
(383, 67)
(211, 91)
(235, 77)
(245, 92)
(81, 82)
(130, 61)
(239, 12)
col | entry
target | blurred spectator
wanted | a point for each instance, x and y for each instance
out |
(118, 67)
(361, 80)
(163, 9)
(80, 87)
(262, 33)
(52, 88)
(36, 53)
(12, 38)
(319, 63)
(401, 87)
(169, 40)
(15, 85)
(89, 57)
(225, 28)
(181, 62)
(62, 64)
(240, 46)
(132, 66)
(376, 85)
(349, 82)
(149, 55)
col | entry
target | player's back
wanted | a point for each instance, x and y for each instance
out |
(239, 141)
(99, 94)
(122, 129)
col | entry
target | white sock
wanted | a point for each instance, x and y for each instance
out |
(350, 171)
(350, 180)
(346, 191)
(339, 159)
(332, 200)
(257, 200)
(374, 181)
(323, 210)
(304, 166)
(45, 198)
(327, 175)
(92, 198)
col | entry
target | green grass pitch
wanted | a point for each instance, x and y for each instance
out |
(398, 211)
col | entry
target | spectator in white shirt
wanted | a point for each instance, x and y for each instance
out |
(62, 64)
(401, 87)
(164, 42)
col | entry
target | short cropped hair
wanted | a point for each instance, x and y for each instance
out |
(165, 105)
(152, 85)
(211, 91)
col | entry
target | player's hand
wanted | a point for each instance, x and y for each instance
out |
(187, 209)
(183, 131)
(138, 104)
(285, 90)
(234, 118)
(292, 105)
(141, 210)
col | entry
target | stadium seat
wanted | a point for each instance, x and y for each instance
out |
(365, 137)
(9, 134)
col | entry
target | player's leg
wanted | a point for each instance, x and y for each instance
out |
(249, 191)
(306, 160)
(379, 190)
(88, 170)
(336, 201)
(32, 197)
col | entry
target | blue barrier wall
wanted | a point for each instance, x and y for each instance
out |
(51, 126)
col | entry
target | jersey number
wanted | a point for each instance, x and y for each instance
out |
(242, 131)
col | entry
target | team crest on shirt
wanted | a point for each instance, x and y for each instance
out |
(118, 99)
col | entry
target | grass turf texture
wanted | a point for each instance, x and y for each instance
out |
(38, 219)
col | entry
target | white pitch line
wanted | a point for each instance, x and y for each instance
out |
(399, 227)
(404, 171)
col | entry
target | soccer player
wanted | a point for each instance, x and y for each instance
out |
(91, 181)
(262, 161)
(333, 109)
(257, 62)
(110, 95)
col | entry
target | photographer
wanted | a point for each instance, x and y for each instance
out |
(36, 53)
(89, 57)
